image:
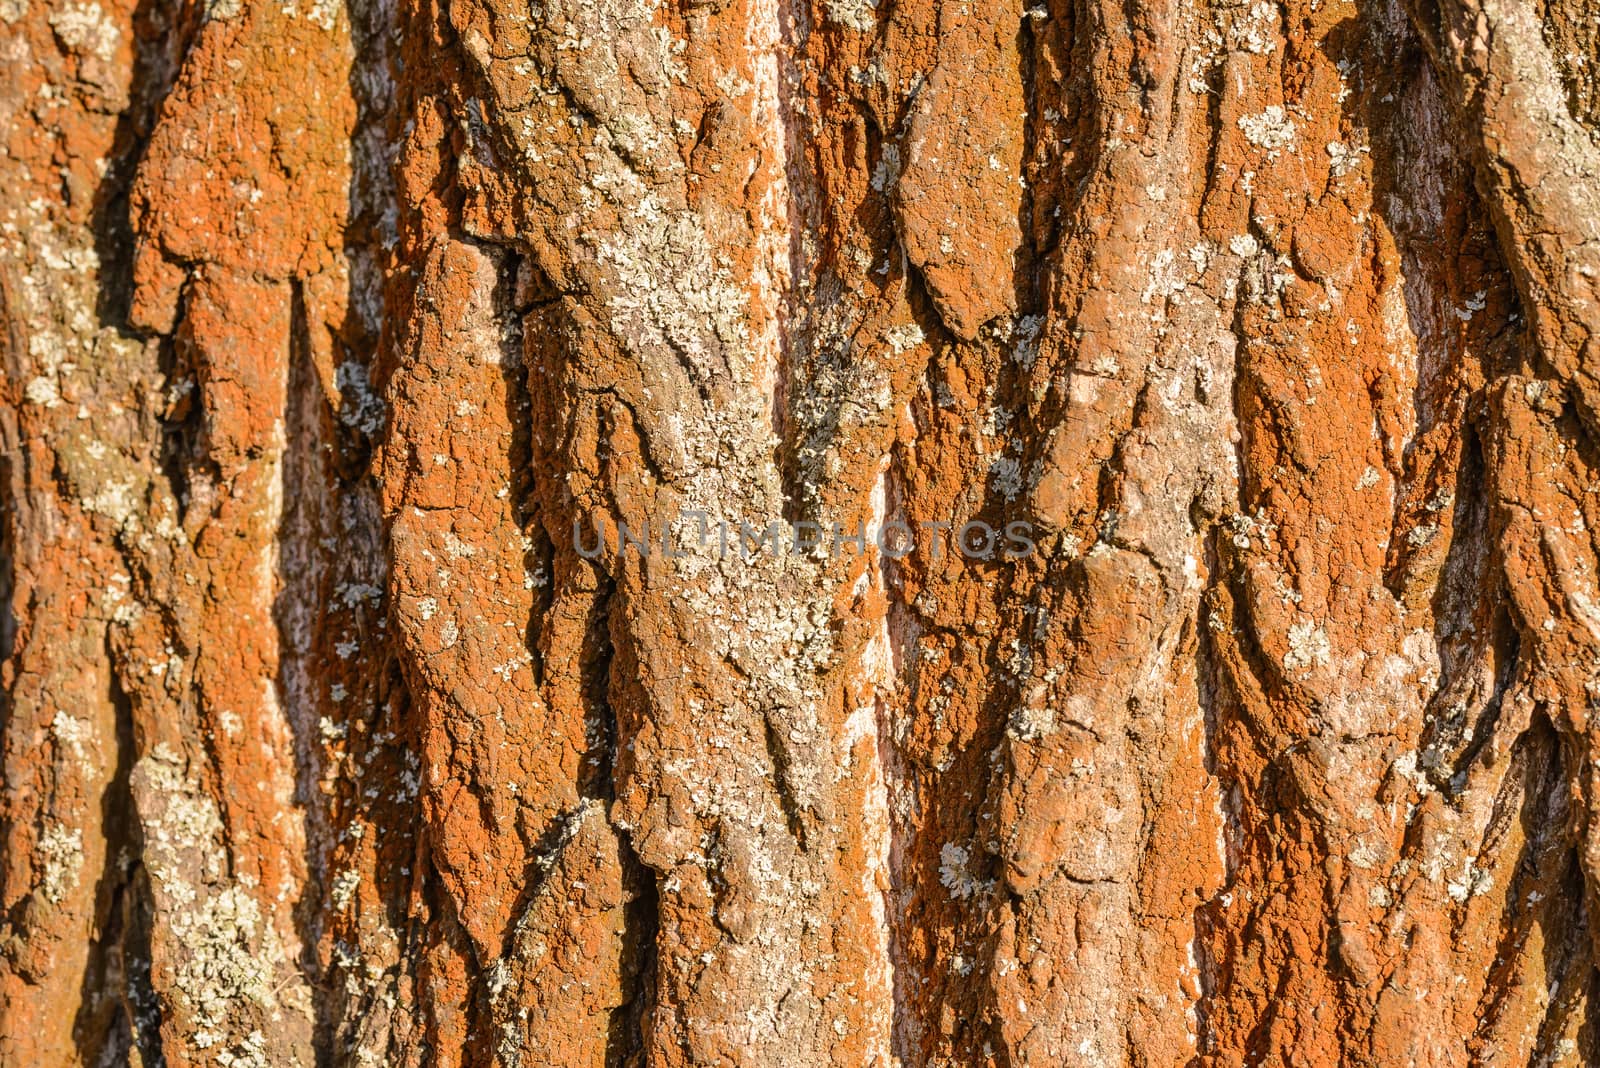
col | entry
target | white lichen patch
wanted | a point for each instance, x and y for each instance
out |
(1365, 854)
(1028, 330)
(1255, 29)
(1029, 723)
(188, 819)
(1422, 535)
(1272, 130)
(114, 499)
(343, 890)
(858, 15)
(325, 13)
(351, 594)
(1243, 245)
(42, 391)
(360, 406)
(1005, 474)
(60, 861)
(1308, 646)
(1472, 881)
(955, 874)
(222, 966)
(224, 956)
(70, 734)
(84, 28)
(1343, 157)
(1168, 277)
(248, 1052)
(904, 338)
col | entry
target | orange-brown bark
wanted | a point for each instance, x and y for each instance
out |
(434, 443)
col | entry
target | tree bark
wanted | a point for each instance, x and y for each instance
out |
(632, 533)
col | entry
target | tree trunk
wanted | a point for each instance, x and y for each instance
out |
(613, 533)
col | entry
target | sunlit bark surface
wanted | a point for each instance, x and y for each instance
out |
(494, 499)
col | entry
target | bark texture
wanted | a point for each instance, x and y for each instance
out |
(352, 350)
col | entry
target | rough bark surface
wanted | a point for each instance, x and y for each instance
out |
(352, 350)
